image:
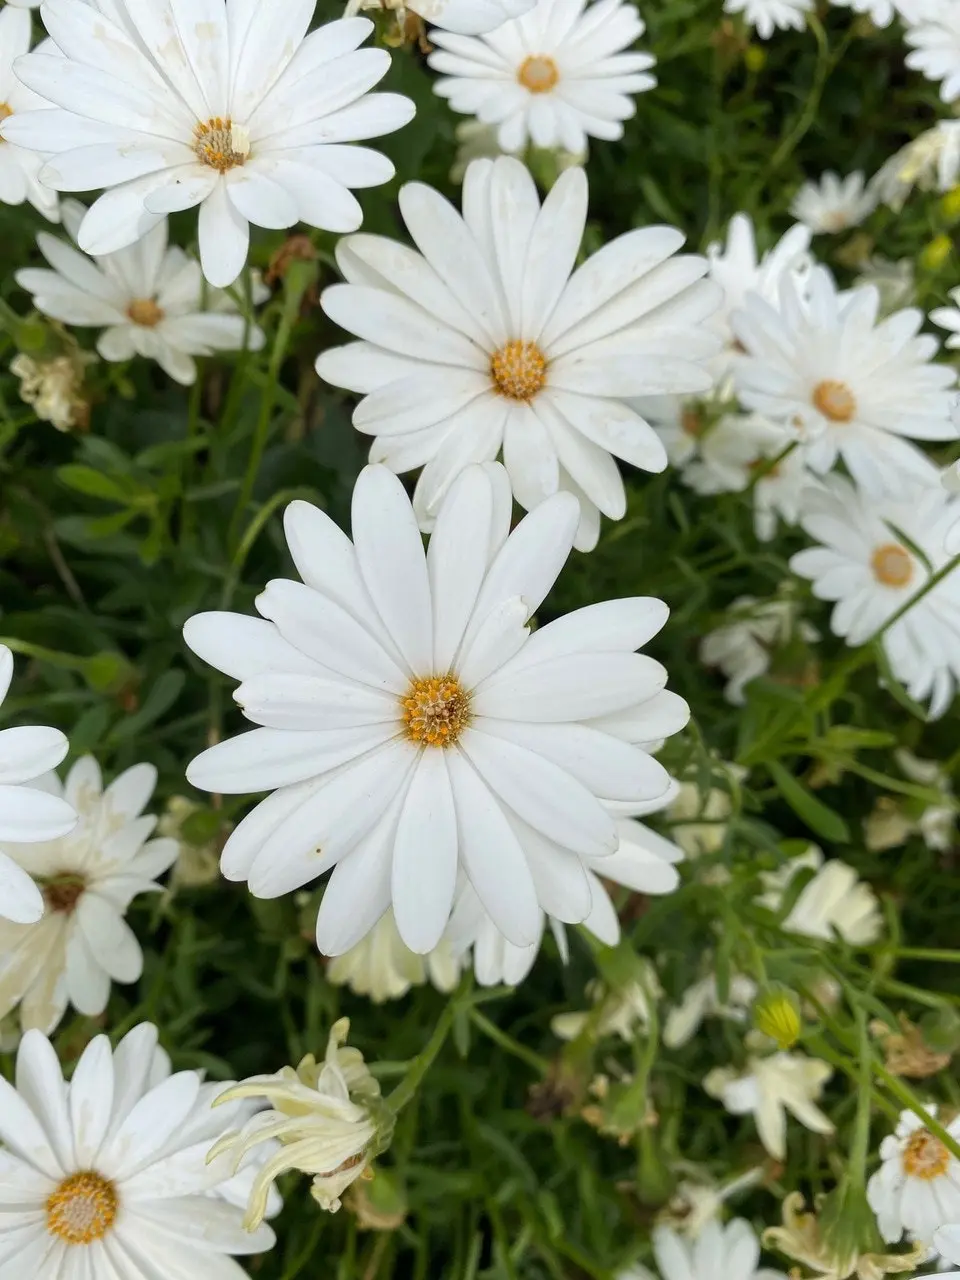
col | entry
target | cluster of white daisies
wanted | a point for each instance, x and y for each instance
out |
(465, 779)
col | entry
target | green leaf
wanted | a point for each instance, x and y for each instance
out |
(94, 483)
(818, 817)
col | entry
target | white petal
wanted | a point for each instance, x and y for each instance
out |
(425, 863)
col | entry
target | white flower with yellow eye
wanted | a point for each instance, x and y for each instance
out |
(833, 204)
(917, 1187)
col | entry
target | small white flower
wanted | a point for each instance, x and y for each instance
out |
(148, 298)
(20, 166)
(864, 564)
(244, 114)
(768, 1089)
(935, 41)
(88, 880)
(917, 1187)
(488, 339)
(327, 1118)
(695, 1203)
(853, 387)
(833, 204)
(720, 1252)
(930, 160)
(678, 422)
(466, 17)
(835, 901)
(382, 967)
(556, 76)
(413, 727)
(733, 450)
(623, 1011)
(743, 647)
(702, 1000)
(767, 16)
(111, 1168)
(54, 387)
(28, 814)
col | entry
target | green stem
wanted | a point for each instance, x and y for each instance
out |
(924, 953)
(860, 1145)
(253, 531)
(927, 587)
(507, 1042)
(912, 1103)
(406, 1090)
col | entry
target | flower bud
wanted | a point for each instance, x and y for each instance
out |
(776, 1013)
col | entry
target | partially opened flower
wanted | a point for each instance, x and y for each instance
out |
(87, 880)
(834, 901)
(622, 1010)
(111, 1170)
(488, 339)
(771, 1088)
(20, 166)
(834, 204)
(703, 1000)
(28, 814)
(917, 1187)
(853, 387)
(243, 114)
(745, 645)
(555, 76)
(414, 728)
(383, 967)
(324, 1118)
(148, 299)
(730, 1251)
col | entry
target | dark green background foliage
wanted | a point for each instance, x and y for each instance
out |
(110, 540)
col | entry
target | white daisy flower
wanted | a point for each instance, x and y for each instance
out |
(740, 270)
(243, 114)
(930, 161)
(743, 647)
(556, 76)
(917, 1187)
(731, 1251)
(834, 902)
(767, 16)
(149, 299)
(88, 880)
(644, 863)
(20, 166)
(382, 967)
(324, 1118)
(702, 1000)
(853, 387)
(865, 564)
(769, 1088)
(466, 17)
(27, 814)
(108, 1173)
(413, 727)
(732, 450)
(935, 51)
(834, 204)
(492, 340)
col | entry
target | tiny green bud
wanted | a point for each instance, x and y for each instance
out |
(754, 58)
(950, 204)
(935, 253)
(776, 1013)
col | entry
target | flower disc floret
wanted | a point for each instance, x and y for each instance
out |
(83, 1208)
(925, 1156)
(436, 711)
(892, 565)
(519, 370)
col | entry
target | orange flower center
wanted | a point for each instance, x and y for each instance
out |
(221, 144)
(83, 1208)
(835, 400)
(538, 73)
(892, 565)
(435, 711)
(518, 370)
(144, 311)
(925, 1156)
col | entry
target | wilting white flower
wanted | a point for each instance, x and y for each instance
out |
(868, 566)
(28, 814)
(484, 340)
(112, 1167)
(54, 388)
(743, 647)
(702, 1000)
(555, 76)
(767, 16)
(730, 1251)
(148, 298)
(935, 51)
(893, 822)
(917, 1187)
(383, 967)
(768, 1089)
(644, 863)
(88, 880)
(468, 17)
(834, 204)
(698, 1201)
(244, 114)
(801, 1239)
(853, 387)
(623, 1011)
(930, 160)
(413, 727)
(327, 1117)
(835, 901)
(20, 166)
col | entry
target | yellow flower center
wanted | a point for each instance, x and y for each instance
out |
(435, 711)
(691, 423)
(62, 893)
(83, 1208)
(144, 311)
(538, 73)
(518, 370)
(221, 144)
(835, 400)
(925, 1156)
(892, 565)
